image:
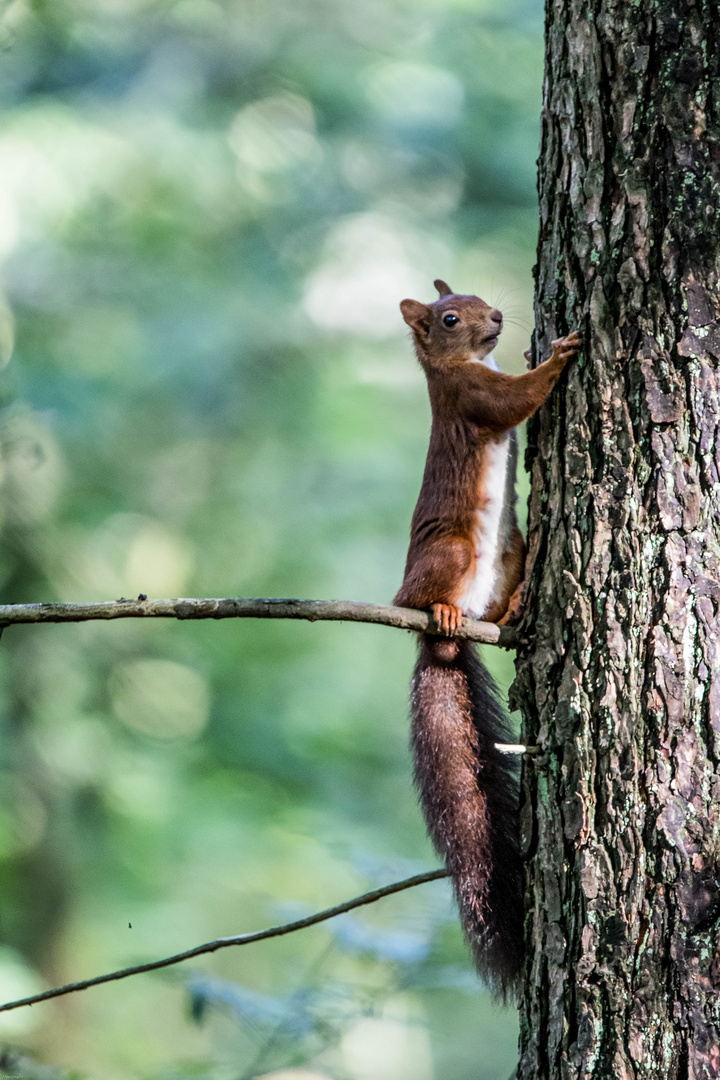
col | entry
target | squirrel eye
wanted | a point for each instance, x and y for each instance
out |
(450, 320)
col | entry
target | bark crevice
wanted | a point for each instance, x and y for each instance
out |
(619, 683)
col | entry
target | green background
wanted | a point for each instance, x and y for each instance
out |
(208, 214)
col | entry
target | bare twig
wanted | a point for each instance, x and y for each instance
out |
(241, 608)
(517, 748)
(223, 943)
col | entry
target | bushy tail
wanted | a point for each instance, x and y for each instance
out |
(469, 794)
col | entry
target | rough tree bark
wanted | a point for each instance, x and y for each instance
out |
(619, 680)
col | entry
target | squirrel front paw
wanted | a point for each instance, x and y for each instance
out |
(565, 348)
(448, 617)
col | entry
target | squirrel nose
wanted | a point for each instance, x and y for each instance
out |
(496, 315)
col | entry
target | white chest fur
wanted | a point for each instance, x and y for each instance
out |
(489, 521)
(488, 361)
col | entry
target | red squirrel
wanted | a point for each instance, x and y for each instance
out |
(467, 556)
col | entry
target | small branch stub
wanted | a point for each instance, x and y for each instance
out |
(242, 608)
(517, 748)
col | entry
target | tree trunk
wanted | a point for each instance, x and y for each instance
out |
(619, 680)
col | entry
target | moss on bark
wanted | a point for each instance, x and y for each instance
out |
(619, 680)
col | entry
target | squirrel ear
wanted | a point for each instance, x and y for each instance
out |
(416, 315)
(442, 287)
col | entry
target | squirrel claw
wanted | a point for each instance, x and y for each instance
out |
(514, 613)
(448, 618)
(566, 347)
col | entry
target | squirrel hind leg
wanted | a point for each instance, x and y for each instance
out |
(509, 594)
(515, 608)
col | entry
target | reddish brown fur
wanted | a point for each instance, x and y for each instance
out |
(468, 789)
(471, 405)
(507, 608)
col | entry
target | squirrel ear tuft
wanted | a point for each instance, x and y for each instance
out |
(416, 315)
(442, 287)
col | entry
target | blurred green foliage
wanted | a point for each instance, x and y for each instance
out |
(208, 214)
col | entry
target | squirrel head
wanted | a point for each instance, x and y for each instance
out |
(453, 330)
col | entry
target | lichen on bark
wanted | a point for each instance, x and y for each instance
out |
(619, 678)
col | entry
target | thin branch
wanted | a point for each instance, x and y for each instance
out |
(241, 608)
(517, 748)
(239, 939)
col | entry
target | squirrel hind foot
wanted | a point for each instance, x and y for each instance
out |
(515, 609)
(448, 617)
